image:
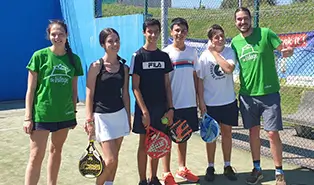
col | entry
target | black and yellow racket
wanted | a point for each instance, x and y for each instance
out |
(91, 164)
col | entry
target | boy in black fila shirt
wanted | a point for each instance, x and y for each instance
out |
(150, 69)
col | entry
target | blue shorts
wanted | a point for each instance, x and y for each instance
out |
(225, 114)
(267, 106)
(54, 126)
(188, 114)
(156, 112)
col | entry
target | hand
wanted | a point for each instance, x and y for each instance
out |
(202, 107)
(287, 52)
(146, 119)
(169, 115)
(211, 46)
(28, 126)
(89, 128)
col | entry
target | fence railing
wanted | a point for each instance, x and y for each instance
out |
(292, 20)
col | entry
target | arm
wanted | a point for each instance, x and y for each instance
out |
(74, 92)
(223, 63)
(139, 99)
(90, 88)
(195, 78)
(170, 112)
(126, 94)
(201, 100)
(29, 100)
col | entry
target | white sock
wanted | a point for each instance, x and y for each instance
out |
(181, 168)
(227, 163)
(108, 183)
(210, 164)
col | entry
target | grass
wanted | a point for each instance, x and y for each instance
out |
(281, 19)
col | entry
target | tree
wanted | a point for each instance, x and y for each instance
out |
(299, 1)
(247, 3)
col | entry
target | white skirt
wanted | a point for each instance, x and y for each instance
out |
(109, 126)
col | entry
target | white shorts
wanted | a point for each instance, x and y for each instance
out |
(109, 126)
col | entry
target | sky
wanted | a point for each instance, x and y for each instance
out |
(207, 3)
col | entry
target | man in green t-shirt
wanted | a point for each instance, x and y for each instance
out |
(259, 89)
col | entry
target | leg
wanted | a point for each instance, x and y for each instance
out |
(211, 150)
(275, 147)
(111, 151)
(226, 143)
(142, 158)
(182, 148)
(57, 140)
(166, 163)
(255, 143)
(38, 142)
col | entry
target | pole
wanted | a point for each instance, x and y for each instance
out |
(145, 9)
(164, 23)
(256, 13)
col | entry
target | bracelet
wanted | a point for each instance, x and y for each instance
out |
(28, 119)
(90, 121)
(171, 108)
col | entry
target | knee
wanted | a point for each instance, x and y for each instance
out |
(55, 149)
(273, 135)
(226, 133)
(255, 132)
(36, 156)
(111, 161)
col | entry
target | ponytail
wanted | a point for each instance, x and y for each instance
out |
(70, 53)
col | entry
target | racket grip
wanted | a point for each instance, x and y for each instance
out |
(91, 137)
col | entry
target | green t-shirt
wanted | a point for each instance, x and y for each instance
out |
(53, 96)
(255, 53)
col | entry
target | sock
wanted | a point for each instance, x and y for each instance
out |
(227, 163)
(279, 170)
(210, 164)
(257, 165)
(108, 183)
(166, 173)
(181, 168)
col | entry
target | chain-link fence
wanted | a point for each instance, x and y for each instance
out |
(292, 20)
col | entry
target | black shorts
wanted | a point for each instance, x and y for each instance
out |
(156, 112)
(54, 126)
(188, 114)
(225, 114)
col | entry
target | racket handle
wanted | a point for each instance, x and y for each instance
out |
(91, 137)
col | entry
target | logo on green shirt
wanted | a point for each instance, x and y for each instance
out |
(248, 54)
(59, 74)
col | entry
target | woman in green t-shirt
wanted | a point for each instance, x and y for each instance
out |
(50, 101)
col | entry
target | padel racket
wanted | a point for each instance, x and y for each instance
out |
(179, 131)
(91, 163)
(209, 129)
(157, 143)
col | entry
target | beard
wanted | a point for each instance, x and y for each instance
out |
(245, 30)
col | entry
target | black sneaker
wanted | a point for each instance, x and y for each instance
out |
(154, 181)
(210, 174)
(143, 182)
(230, 174)
(255, 177)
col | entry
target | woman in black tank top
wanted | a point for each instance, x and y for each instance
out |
(108, 102)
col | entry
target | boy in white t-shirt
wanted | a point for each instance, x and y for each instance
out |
(217, 96)
(183, 81)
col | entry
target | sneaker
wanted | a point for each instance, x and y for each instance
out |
(143, 182)
(187, 175)
(169, 180)
(230, 174)
(154, 181)
(255, 177)
(280, 179)
(210, 174)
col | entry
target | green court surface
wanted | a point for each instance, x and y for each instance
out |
(14, 157)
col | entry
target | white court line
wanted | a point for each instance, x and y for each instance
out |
(7, 129)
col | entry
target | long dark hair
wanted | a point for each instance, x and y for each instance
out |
(67, 45)
(103, 36)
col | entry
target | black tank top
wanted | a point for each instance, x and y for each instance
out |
(108, 90)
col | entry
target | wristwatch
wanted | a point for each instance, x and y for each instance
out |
(171, 108)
